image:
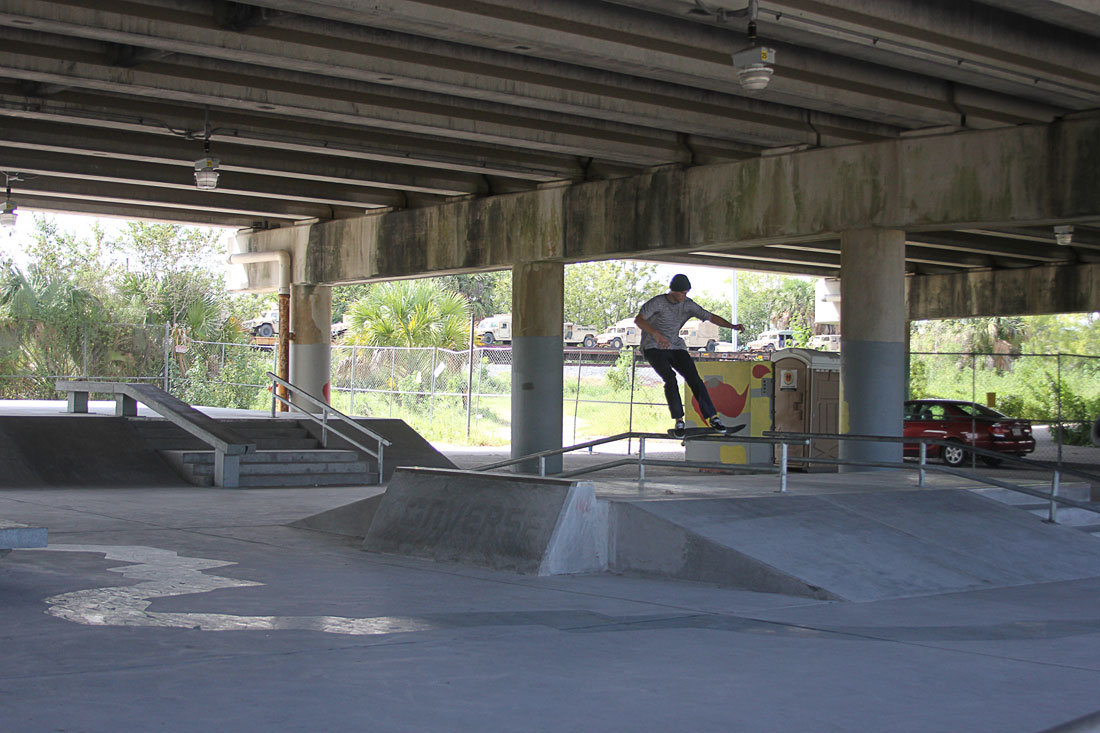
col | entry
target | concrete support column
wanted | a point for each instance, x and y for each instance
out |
(873, 344)
(311, 340)
(537, 360)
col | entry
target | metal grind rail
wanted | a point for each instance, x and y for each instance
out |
(641, 461)
(326, 426)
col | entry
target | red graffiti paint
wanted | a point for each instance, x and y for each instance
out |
(325, 393)
(727, 400)
(761, 370)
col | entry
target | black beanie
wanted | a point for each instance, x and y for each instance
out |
(680, 283)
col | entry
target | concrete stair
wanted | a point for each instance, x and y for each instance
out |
(287, 455)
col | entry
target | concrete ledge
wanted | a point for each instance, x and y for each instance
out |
(519, 523)
(15, 536)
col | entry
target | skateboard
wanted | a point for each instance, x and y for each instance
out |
(696, 432)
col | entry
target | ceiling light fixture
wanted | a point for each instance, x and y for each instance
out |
(754, 64)
(206, 170)
(1063, 234)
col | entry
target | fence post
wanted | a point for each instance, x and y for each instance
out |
(354, 367)
(641, 459)
(1061, 429)
(167, 352)
(431, 397)
(630, 418)
(393, 367)
(577, 398)
(923, 462)
(470, 379)
(974, 398)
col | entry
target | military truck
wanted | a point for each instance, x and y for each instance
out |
(266, 325)
(497, 329)
(575, 335)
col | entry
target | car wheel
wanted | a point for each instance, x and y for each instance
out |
(487, 338)
(711, 344)
(589, 342)
(991, 461)
(265, 330)
(953, 455)
(616, 343)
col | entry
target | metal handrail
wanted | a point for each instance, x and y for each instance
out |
(923, 466)
(784, 440)
(642, 461)
(327, 409)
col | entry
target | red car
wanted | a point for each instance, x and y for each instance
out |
(965, 423)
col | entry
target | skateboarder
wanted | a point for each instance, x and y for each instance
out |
(661, 319)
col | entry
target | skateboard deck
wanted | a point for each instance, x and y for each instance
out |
(695, 432)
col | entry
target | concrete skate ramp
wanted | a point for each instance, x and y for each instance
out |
(409, 447)
(518, 523)
(78, 450)
(350, 520)
(858, 547)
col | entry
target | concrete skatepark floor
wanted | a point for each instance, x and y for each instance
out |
(189, 608)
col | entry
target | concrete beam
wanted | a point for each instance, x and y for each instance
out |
(303, 167)
(366, 54)
(253, 129)
(1027, 291)
(1028, 175)
(337, 101)
(234, 180)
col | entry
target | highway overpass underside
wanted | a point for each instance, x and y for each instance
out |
(872, 212)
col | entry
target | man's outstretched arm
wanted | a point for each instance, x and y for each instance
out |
(715, 318)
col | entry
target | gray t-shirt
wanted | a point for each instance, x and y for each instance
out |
(668, 318)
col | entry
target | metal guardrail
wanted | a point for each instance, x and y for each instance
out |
(785, 440)
(228, 445)
(326, 409)
(923, 466)
(641, 461)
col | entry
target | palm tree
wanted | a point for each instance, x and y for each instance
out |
(997, 338)
(45, 318)
(409, 313)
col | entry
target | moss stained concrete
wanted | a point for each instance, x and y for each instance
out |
(1030, 174)
(1065, 288)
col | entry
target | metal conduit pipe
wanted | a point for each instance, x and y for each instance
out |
(283, 258)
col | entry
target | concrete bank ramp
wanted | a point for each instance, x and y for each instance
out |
(523, 524)
(78, 451)
(409, 447)
(858, 547)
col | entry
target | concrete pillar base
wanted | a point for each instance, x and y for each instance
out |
(537, 361)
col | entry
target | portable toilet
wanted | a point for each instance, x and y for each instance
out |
(807, 400)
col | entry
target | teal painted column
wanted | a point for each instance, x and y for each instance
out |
(311, 341)
(537, 361)
(873, 343)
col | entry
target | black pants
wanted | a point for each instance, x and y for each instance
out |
(666, 362)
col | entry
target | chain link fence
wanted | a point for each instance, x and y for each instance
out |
(464, 397)
(1059, 393)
